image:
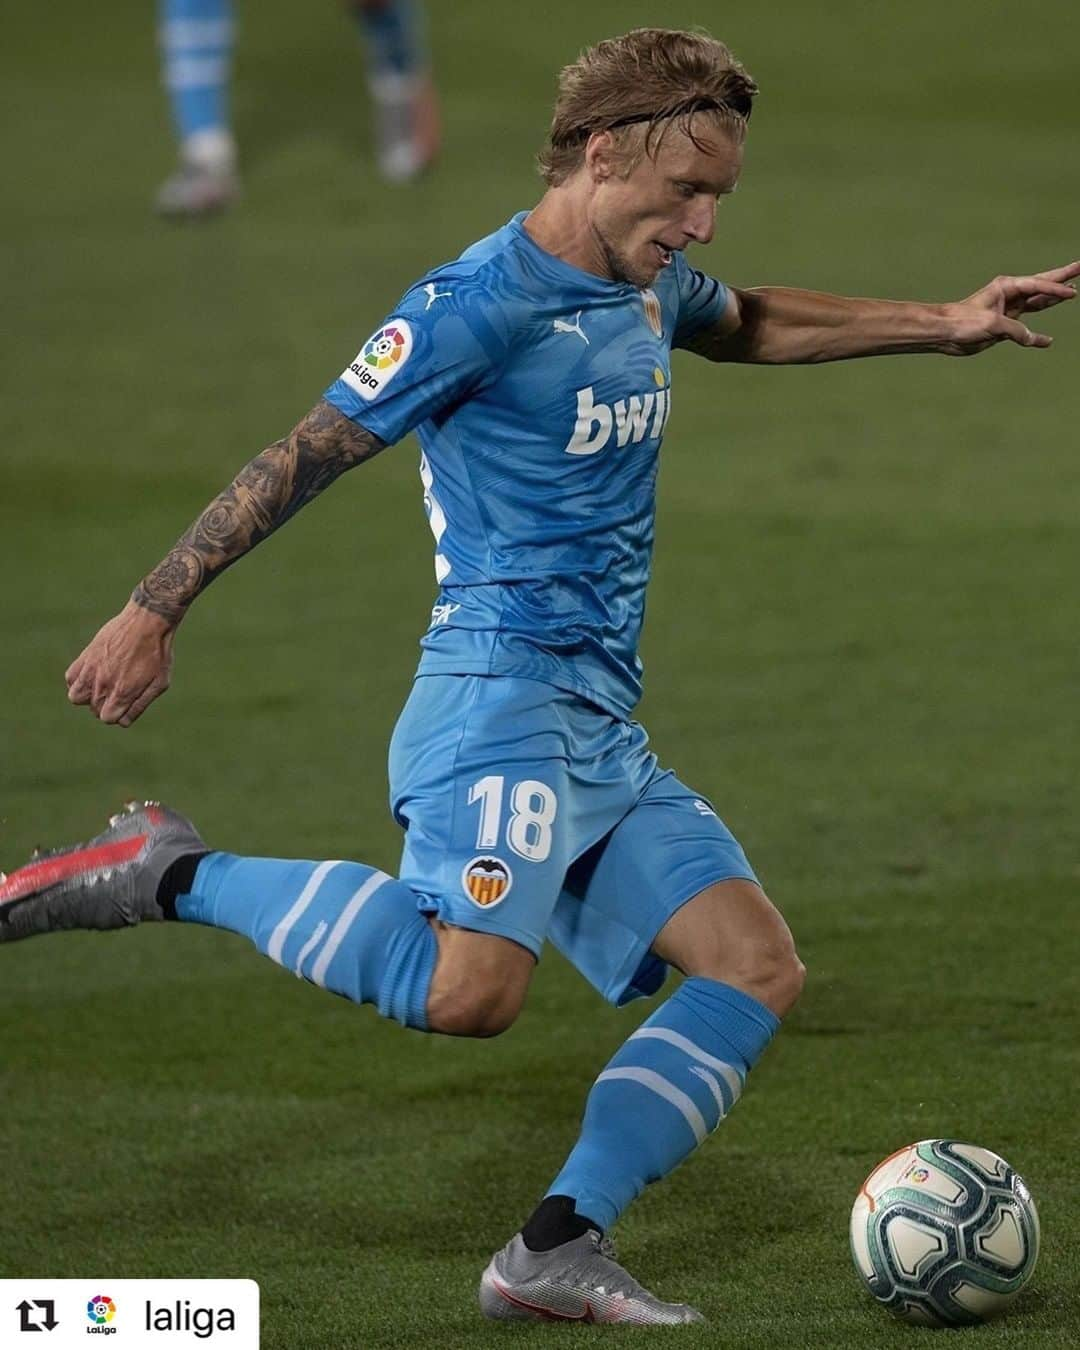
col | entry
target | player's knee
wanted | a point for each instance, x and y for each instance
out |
(779, 977)
(769, 971)
(473, 1010)
(772, 974)
(756, 953)
(479, 985)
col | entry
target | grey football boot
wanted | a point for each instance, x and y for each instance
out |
(197, 190)
(109, 882)
(407, 125)
(578, 1282)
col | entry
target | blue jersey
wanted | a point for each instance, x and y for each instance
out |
(539, 394)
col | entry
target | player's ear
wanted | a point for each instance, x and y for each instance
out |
(600, 156)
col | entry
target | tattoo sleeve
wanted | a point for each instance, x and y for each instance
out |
(263, 495)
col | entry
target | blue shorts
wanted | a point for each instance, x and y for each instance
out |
(531, 813)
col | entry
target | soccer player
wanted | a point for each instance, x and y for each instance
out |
(536, 371)
(196, 39)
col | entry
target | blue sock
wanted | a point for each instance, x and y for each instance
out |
(666, 1089)
(394, 35)
(341, 925)
(196, 42)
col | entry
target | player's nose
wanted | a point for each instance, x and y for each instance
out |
(700, 223)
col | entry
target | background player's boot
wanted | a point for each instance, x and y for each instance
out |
(579, 1281)
(109, 882)
(205, 180)
(197, 190)
(407, 125)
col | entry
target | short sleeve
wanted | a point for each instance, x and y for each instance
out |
(702, 300)
(443, 342)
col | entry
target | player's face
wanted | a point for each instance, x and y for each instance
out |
(639, 221)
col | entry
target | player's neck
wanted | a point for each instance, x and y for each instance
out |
(559, 225)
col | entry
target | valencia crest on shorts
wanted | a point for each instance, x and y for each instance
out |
(486, 881)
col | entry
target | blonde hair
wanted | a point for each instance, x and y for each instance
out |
(659, 77)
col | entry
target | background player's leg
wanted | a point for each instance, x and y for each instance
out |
(402, 92)
(196, 43)
(683, 1070)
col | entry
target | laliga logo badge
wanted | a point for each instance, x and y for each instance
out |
(380, 359)
(385, 349)
(486, 881)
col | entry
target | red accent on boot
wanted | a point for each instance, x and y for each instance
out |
(40, 876)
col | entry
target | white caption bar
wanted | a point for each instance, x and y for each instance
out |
(129, 1314)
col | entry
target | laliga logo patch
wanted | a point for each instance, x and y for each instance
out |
(486, 881)
(385, 349)
(380, 359)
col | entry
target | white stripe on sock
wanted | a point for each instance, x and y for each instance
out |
(714, 1087)
(196, 72)
(276, 945)
(390, 87)
(348, 914)
(308, 947)
(729, 1074)
(660, 1085)
(197, 32)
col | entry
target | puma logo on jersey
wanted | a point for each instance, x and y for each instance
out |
(433, 295)
(561, 326)
(631, 419)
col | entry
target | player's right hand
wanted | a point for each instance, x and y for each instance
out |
(124, 667)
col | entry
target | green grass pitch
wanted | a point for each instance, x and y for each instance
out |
(861, 643)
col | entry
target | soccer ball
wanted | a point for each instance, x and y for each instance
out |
(944, 1233)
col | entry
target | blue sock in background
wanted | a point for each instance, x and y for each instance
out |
(196, 39)
(394, 37)
(344, 926)
(666, 1089)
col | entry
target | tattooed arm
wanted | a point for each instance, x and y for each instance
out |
(263, 495)
(127, 665)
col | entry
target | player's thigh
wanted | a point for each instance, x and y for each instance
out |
(669, 848)
(478, 780)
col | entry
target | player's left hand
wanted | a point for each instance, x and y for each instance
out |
(992, 314)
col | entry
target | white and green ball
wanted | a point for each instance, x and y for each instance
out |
(944, 1233)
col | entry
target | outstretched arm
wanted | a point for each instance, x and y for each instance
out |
(128, 663)
(778, 325)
